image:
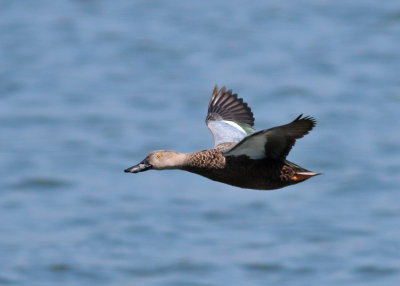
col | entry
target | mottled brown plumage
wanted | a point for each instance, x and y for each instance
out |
(241, 157)
(241, 171)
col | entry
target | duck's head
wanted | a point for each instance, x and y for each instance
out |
(159, 160)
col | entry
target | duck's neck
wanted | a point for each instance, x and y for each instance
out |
(181, 160)
(177, 161)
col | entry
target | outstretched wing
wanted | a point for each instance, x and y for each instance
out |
(275, 142)
(229, 118)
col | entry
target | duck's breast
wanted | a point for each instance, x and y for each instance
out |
(239, 171)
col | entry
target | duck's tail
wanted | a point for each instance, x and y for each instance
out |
(301, 174)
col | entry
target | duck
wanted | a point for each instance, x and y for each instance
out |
(241, 156)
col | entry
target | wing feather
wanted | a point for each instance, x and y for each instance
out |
(229, 118)
(275, 142)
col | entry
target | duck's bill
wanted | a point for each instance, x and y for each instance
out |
(142, 166)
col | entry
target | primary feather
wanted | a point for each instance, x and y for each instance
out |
(229, 118)
(275, 142)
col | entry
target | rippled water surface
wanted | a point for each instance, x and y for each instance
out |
(88, 88)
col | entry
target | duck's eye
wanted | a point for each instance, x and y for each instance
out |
(159, 156)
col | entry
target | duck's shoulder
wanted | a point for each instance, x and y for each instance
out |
(208, 159)
(223, 147)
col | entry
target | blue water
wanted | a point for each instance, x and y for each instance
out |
(88, 88)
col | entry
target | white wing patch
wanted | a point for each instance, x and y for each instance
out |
(235, 125)
(252, 146)
(226, 131)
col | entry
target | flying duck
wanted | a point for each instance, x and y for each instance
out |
(242, 156)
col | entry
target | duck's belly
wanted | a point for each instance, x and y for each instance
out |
(264, 174)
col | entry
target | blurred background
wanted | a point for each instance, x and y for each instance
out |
(88, 88)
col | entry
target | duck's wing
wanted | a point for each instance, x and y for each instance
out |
(229, 118)
(275, 142)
